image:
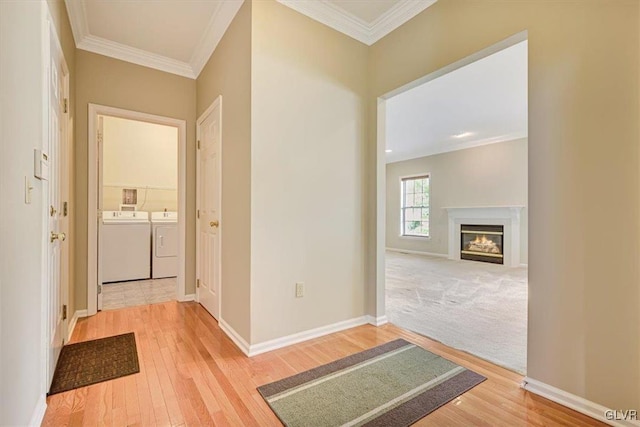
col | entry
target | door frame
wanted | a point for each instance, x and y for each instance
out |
(216, 103)
(96, 110)
(379, 226)
(49, 36)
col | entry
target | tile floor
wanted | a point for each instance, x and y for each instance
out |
(138, 292)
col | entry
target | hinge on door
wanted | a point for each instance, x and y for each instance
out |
(198, 213)
(66, 105)
(64, 312)
(99, 289)
(198, 144)
(197, 283)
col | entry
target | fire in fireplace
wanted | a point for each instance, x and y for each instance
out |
(482, 243)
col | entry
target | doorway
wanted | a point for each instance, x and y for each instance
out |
(137, 207)
(452, 192)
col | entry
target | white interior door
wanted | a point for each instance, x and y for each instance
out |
(54, 150)
(99, 227)
(208, 202)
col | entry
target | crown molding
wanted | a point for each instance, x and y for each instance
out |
(368, 33)
(218, 25)
(220, 21)
(448, 146)
(136, 56)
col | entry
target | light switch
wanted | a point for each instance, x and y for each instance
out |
(27, 190)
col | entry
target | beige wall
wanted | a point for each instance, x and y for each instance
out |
(308, 172)
(584, 323)
(106, 81)
(491, 175)
(143, 156)
(228, 73)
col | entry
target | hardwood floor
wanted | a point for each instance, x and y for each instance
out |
(192, 374)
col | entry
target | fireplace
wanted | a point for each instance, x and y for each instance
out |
(483, 243)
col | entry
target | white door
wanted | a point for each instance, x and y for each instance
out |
(208, 204)
(54, 150)
(100, 139)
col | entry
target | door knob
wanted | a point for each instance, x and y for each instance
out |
(58, 236)
(214, 224)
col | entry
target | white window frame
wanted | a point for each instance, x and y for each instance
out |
(403, 207)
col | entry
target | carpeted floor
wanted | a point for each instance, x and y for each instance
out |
(476, 307)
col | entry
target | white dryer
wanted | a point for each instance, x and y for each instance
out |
(125, 246)
(164, 236)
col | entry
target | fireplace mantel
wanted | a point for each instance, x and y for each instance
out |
(507, 216)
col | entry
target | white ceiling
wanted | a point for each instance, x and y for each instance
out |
(481, 103)
(179, 36)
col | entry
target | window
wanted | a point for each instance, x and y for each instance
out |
(415, 206)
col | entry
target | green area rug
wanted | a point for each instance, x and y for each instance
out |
(91, 362)
(394, 384)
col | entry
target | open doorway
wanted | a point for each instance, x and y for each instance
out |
(455, 202)
(138, 234)
(136, 209)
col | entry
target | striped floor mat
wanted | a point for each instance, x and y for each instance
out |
(394, 384)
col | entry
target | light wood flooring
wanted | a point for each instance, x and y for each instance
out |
(192, 374)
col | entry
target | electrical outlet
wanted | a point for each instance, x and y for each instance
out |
(299, 290)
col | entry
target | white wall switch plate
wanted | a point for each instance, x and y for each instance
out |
(299, 290)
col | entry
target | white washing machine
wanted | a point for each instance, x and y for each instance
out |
(164, 241)
(125, 246)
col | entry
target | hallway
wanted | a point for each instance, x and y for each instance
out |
(192, 374)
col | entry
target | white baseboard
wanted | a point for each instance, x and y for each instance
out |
(377, 321)
(38, 413)
(234, 336)
(576, 403)
(188, 297)
(407, 251)
(72, 323)
(524, 265)
(288, 340)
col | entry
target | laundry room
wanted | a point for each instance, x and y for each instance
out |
(138, 233)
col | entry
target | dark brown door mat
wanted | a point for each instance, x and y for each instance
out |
(90, 362)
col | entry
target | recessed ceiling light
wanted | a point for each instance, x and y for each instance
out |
(388, 151)
(462, 135)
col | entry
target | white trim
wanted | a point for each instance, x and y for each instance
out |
(188, 297)
(407, 251)
(524, 265)
(577, 403)
(92, 206)
(288, 340)
(216, 28)
(72, 323)
(345, 22)
(134, 55)
(220, 21)
(234, 336)
(38, 413)
(440, 148)
(377, 321)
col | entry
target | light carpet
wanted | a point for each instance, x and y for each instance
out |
(476, 307)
